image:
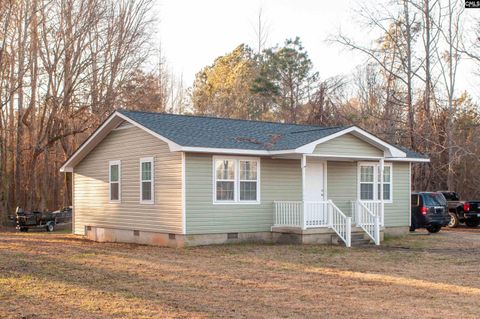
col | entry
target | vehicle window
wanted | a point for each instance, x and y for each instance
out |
(434, 199)
(414, 200)
(451, 196)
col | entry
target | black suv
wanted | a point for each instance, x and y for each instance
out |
(429, 210)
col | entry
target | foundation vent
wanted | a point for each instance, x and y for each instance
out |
(88, 228)
(232, 236)
(136, 233)
(171, 236)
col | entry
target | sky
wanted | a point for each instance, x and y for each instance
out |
(193, 33)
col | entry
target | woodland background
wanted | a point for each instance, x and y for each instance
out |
(65, 65)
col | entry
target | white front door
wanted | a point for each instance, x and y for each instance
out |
(314, 187)
(314, 194)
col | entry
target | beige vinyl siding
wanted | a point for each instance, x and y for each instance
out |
(279, 180)
(347, 145)
(342, 188)
(91, 200)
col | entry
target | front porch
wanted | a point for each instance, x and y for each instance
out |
(356, 208)
(308, 218)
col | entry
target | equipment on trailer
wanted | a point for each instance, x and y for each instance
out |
(48, 220)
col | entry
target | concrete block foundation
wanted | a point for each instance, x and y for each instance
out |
(280, 235)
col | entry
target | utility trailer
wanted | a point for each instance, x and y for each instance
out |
(47, 220)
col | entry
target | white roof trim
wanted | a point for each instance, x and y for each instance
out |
(391, 152)
(408, 159)
(195, 149)
(171, 144)
(389, 149)
(67, 167)
(110, 124)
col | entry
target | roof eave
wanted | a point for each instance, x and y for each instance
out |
(99, 134)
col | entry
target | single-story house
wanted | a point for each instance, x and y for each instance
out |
(180, 180)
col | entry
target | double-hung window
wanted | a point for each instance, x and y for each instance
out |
(369, 182)
(225, 172)
(147, 180)
(236, 180)
(114, 174)
(248, 180)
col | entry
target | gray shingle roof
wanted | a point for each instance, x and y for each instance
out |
(213, 132)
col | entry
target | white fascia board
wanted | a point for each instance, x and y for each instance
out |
(349, 157)
(66, 167)
(408, 159)
(171, 144)
(358, 132)
(104, 129)
(194, 149)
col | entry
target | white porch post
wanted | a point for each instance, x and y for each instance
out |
(382, 202)
(304, 207)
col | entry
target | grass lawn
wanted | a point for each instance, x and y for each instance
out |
(56, 275)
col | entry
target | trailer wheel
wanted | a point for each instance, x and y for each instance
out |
(50, 227)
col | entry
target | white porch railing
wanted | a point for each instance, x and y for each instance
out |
(368, 221)
(311, 214)
(373, 205)
(341, 224)
(304, 214)
(288, 214)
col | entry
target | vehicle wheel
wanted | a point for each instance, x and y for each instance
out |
(24, 229)
(453, 220)
(472, 222)
(50, 227)
(434, 229)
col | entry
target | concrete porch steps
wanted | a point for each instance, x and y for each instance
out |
(295, 235)
(358, 239)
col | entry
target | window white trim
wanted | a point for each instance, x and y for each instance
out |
(215, 180)
(152, 181)
(119, 182)
(236, 187)
(375, 181)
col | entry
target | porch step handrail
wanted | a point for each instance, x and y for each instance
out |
(368, 221)
(340, 223)
(375, 207)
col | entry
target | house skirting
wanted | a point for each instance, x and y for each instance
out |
(102, 234)
(397, 231)
(280, 235)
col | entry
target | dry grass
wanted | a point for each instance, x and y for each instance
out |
(62, 276)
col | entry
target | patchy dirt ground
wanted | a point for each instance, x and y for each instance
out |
(46, 275)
